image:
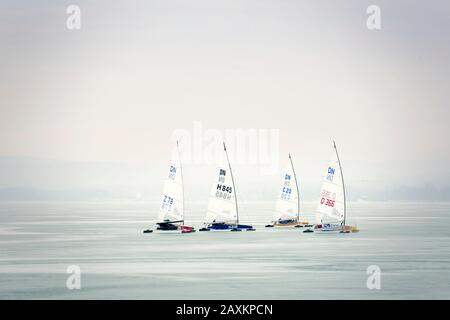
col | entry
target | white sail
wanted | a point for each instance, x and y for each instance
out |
(172, 208)
(222, 199)
(287, 202)
(331, 206)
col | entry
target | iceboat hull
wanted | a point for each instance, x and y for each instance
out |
(173, 228)
(295, 224)
(335, 228)
(227, 227)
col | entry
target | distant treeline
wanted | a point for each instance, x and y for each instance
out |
(400, 193)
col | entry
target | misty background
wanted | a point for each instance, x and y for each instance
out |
(89, 114)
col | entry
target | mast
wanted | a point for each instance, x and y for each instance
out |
(342, 178)
(296, 185)
(181, 176)
(234, 187)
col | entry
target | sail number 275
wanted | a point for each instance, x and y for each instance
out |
(167, 203)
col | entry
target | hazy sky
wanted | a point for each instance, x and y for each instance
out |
(115, 90)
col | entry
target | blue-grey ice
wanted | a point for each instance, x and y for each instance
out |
(409, 242)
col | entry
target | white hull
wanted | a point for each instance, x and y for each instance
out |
(166, 231)
(335, 229)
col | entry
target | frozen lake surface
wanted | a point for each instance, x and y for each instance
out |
(410, 242)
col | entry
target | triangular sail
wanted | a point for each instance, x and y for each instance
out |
(331, 206)
(222, 199)
(287, 206)
(172, 206)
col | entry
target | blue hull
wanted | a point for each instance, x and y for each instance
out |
(229, 226)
